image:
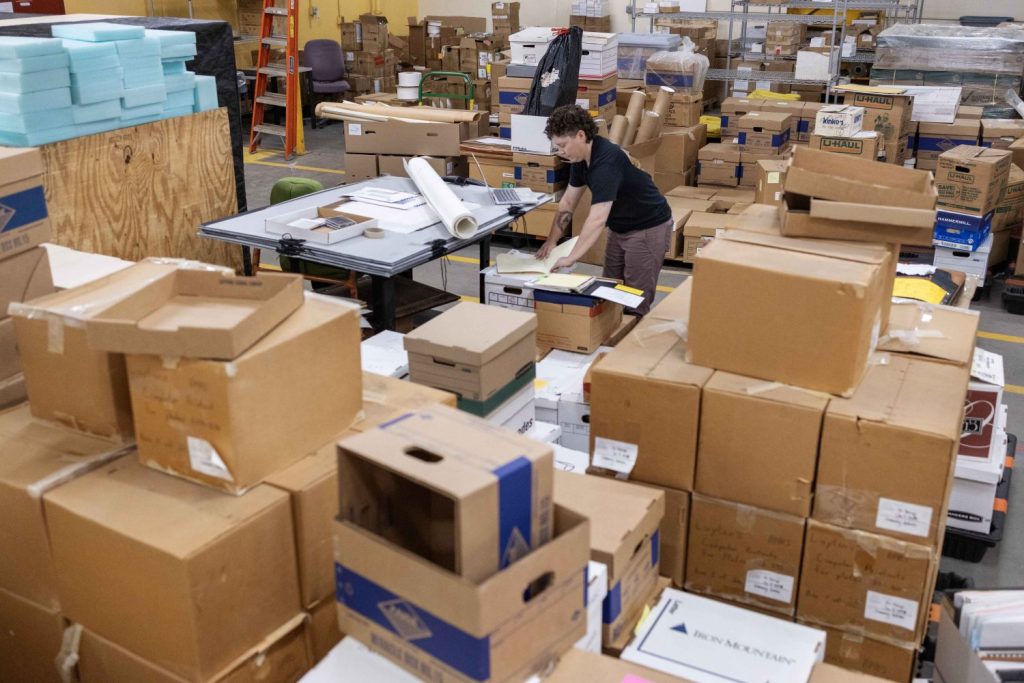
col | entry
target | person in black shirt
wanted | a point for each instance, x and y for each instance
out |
(624, 198)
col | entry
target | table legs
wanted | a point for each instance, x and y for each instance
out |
(382, 301)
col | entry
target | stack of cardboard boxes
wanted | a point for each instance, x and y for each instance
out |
(804, 114)
(839, 129)
(369, 60)
(784, 38)
(889, 116)
(676, 161)
(935, 138)
(591, 15)
(504, 21)
(705, 216)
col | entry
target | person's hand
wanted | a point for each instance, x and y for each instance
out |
(545, 250)
(564, 262)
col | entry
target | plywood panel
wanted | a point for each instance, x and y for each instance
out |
(143, 191)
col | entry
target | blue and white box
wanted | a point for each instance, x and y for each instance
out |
(961, 230)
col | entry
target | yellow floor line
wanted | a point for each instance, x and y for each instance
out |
(466, 259)
(665, 288)
(1014, 388)
(1001, 337)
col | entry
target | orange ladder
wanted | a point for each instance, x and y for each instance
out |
(291, 131)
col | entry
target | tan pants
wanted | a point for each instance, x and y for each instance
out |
(636, 257)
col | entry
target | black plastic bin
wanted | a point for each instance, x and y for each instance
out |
(971, 546)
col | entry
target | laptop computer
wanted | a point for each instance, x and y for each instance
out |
(507, 196)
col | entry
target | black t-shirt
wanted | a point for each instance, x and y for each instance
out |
(611, 176)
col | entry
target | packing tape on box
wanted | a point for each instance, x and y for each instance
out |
(76, 469)
(67, 658)
(679, 328)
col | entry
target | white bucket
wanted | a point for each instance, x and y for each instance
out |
(410, 78)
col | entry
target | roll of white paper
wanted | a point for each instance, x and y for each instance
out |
(456, 217)
(408, 93)
(410, 78)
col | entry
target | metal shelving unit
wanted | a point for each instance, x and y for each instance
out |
(740, 13)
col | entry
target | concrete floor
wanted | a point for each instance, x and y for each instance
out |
(1001, 332)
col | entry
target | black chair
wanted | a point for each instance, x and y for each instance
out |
(327, 62)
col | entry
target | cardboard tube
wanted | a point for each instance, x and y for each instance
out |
(663, 101)
(618, 130)
(649, 127)
(634, 113)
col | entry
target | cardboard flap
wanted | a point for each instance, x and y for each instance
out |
(883, 216)
(846, 251)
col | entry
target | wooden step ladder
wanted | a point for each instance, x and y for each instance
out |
(291, 131)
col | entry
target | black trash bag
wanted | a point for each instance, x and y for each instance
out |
(558, 74)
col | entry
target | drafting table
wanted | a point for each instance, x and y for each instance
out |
(382, 259)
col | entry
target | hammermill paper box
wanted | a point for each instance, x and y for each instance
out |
(469, 496)
(705, 641)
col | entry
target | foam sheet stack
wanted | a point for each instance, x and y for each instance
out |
(96, 77)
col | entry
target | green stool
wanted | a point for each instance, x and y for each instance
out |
(290, 188)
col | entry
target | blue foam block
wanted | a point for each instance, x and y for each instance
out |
(104, 78)
(138, 47)
(91, 94)
(15, 47)
(173, 68)
(206, 93)
(180, 111)
(100, 64)
(29, 65)
(178, 51)
(34, 82)
(139, 97)
(80, 49)
(176, 82)
(141, 79)
(97, 31)
(100, 111)
(43, 137)
(35, 101)
(168, 38)
(37, 121)
(179, 99)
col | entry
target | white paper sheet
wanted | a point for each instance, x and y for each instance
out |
(518, 262)
(457, 218)
(618, 296)
(934, 104)
(395, 220)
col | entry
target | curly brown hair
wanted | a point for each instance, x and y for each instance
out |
(568, 119)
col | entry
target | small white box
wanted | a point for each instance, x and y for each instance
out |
(517, 413)
(839, 120)
(530, 45)
(574, 419)
(560, 395)
(528, 134)
(545, 432)
(600, 54)
(569, 460)
(811, 66)
(597, 590)
(967, 262)
(384, 354)
(705, 641)
(508, 290)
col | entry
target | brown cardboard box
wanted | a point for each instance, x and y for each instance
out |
(21, 184)
(472, 349)
(678, 150)
(352, 37)
(36, 457)
(540, 172)
(733, 108)
(866, 584)
(375, 32)
(504, 639)
(30, 639)
(579, 665)
(680, 214)
(808, 117)
(386, 398)
(866, 655)
(683, 109)
(645, 395)
(125, 536)
(778, 474)
(23, 277)
(971, 180)
(1001, 133)
(10, 362)
(719, 163)
(282, 656)
(579, 327)
(776, 272)
(744, 554)
(419, 139)
(226, 433)
(700, 229)
(55, 354)
(889, 115)
(196, 314)
(360, 167)
(675, 526)
(1010, 207)
(1016, 149)
(865, 145)
(794, 109)
(12, 391)
(869, 475)
(935, 138)
(943, 333)
(624, 530)
(764, 131)
(323, 629)
(495, 174)
(449, 487)
(393, 165)
(771, 175)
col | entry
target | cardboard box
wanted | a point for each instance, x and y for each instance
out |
(675, 526)
(323, 629)
(778, 474)
(597, 591)
(24, 221)
(36, 458)
(699, 230)
(964, 260)
(770, 178)
(839, 120)
(955, 657)
(196, 314)
(961, 231)
(807, 118)
(866, 144)
(32, 636)
(55, 354)
(794, 109)
(498, 175)
(761, 130)
(226, 433)
(375, 32)
(935, 138)
(678, 150)
(472, 350)
(436, 139)
(890, 116)
(625, 520)
(190, 554)
(393, 165)
(1010, 210)
(10, 363)
(574, 322)
(508, 291)
(530, 45)
(703, 640)
(744, 554)
(645, 398)
(866, 584)
(860, 485)
(283, 655)
(870, 657)
(733, 108)
(577, 665)
(971, 180)
(773, 269)
(23, 277)
(468, 496)
(499, 637)
(540, 172)
(360, 167)
(352, 37)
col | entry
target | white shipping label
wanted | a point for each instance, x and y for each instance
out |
(205, 459)
(770, 585)
(892, 610)
(583, 102)
(355, 129)
(617, 456)
(904, 518)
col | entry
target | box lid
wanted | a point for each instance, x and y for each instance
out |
(719, 150)
(997, 128)
(533, 34)
(976, 155)
(196, 314)
(710, 221)
(769, 120)
(471, 333)
(964, 128)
